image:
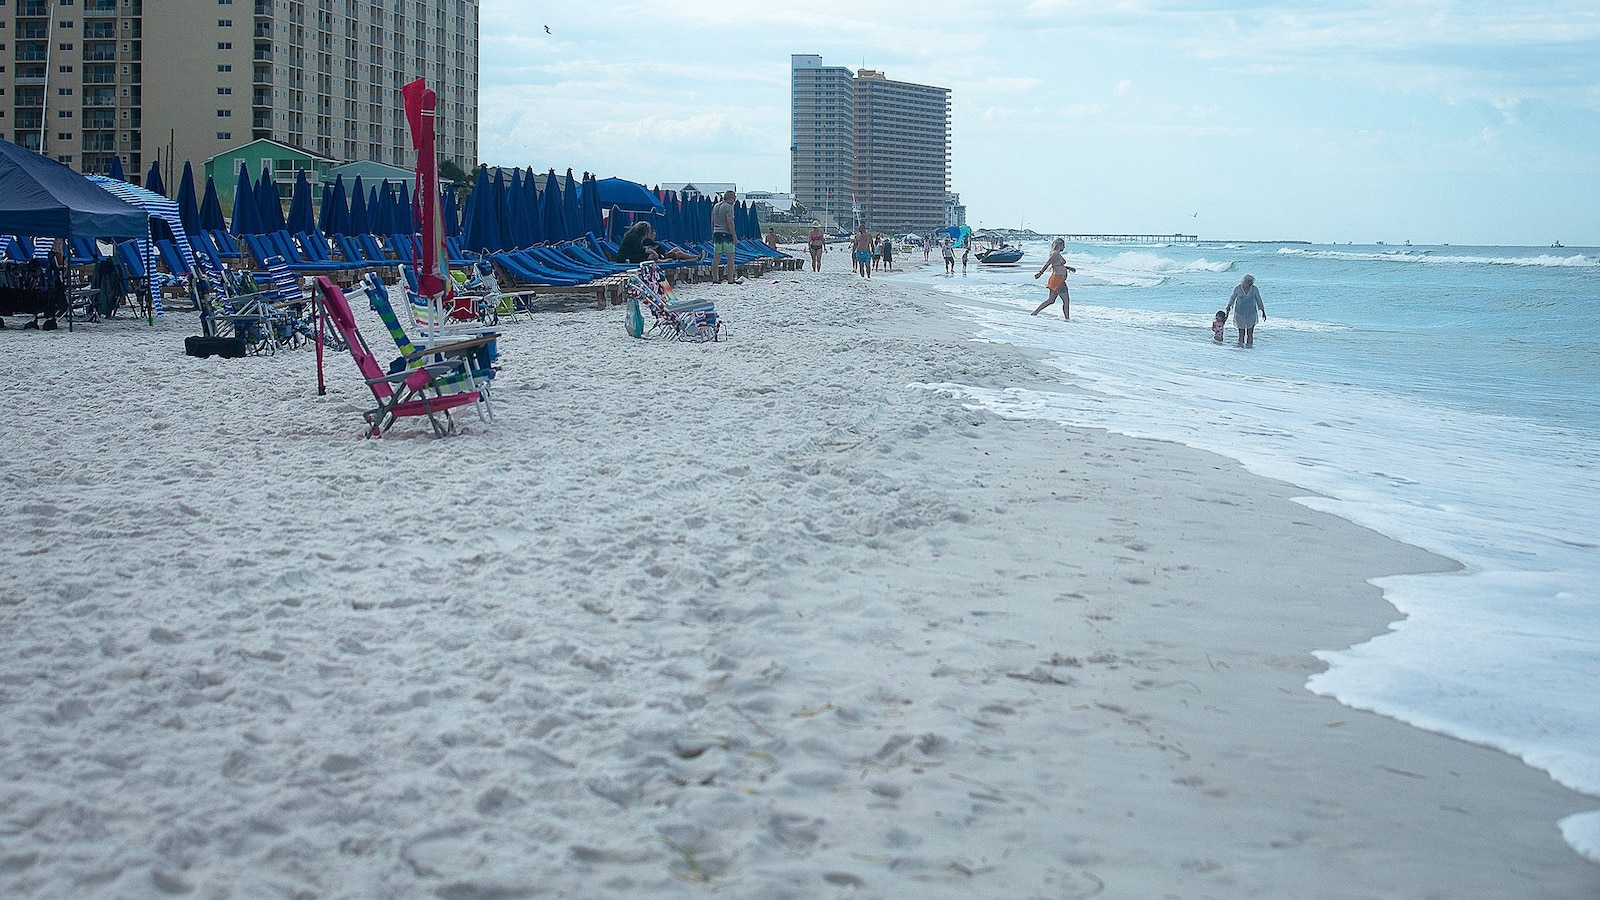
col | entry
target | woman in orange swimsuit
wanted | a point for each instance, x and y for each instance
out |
(1057, 264)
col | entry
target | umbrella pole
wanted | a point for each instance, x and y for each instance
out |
(317, 328)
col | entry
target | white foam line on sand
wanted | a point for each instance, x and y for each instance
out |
(759, 617)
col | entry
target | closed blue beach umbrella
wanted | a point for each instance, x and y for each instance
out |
(301, 217)
(152, 179)
(589, 195)
(555, 225)
(403, 211)
(481, 232)
(323, 206)
(269, 204)
(211, 218)
(336, 212)
(116, 168)
(533, 208)
(449, 213)
(570, 210)
(359, 222)
(246, 215)
(516, 212)
(384, 221)
(188, 209)
(502, 211)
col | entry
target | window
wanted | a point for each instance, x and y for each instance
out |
(63, 113)
(224, 135)
(224, 45)
(224, 23)
(63, 135)
(63, 92)
(224, 113)
(224, 67)
(225, 90)
(66, 68)
(65, 24)
(66, 45)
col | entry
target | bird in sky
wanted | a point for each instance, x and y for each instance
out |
(547, 30)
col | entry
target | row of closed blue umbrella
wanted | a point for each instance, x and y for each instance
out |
(502, 213)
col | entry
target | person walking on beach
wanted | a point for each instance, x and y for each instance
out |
(1057, 264)
(1217, 325)
(927, 247)
(723, 237)
(888, 254)
(966, 251)
(949, 258)
(1245, 303)
(816, 242)
(861, 246)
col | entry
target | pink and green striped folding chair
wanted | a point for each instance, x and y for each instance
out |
(408, 393)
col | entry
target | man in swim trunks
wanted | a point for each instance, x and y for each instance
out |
(861, 244)
(1057, 264)
(723, 237)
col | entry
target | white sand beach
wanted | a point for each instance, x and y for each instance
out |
(764, 618)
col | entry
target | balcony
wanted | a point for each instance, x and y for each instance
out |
(100, 7)
(106, 31)
(33, 30)
(263, 7)
(27, 139)
(261, 98)
(99, 142)
(33, 8)
(100, 119)
(263, 75)
(29, 120)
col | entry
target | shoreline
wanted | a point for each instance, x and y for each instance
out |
(760, 616)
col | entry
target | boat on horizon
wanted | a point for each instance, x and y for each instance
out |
(1556, 246)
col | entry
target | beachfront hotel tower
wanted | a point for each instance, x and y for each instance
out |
(867, 149)
(176, 80)
(822, 161)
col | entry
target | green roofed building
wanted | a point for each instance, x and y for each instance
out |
(283, 161)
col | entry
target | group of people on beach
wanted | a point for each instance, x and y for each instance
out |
(1244, 303)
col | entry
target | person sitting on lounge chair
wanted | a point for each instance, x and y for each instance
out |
(639, 245)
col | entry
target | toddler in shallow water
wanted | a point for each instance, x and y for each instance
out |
(1217, 325)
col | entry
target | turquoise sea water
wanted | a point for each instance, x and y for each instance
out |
(1448, 397)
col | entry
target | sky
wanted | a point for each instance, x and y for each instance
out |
(1357, 121)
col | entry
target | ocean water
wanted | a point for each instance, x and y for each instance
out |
(1448, 397)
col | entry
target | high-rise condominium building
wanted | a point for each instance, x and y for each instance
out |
(822, 159)
(86, 80)
(867, 149)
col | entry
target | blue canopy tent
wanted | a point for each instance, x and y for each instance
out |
(40, 197)
(301, 217)
(152, 179)
(116, 168)
(360, 222)
(481, 228)
(188, 209)
(211, 218)
(246, 212)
